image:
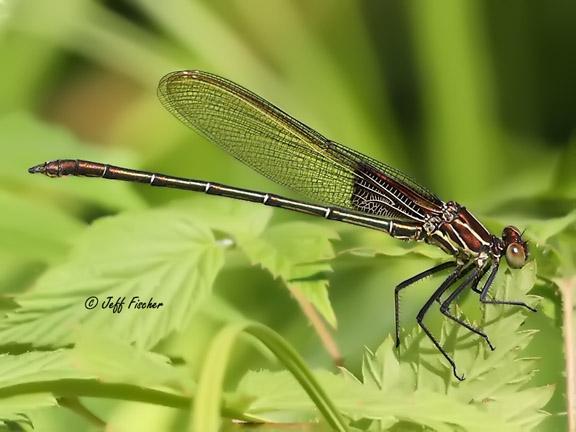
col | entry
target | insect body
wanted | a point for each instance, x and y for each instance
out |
(349, 186)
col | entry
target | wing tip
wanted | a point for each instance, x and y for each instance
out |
(194, 74)
(165, 83)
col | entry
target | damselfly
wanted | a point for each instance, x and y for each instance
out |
(354, 188)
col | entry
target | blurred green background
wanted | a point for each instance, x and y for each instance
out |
(476, 100)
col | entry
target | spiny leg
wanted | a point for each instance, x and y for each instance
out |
(474, 278)
(409, 282)
(457, 274)
(486, 288)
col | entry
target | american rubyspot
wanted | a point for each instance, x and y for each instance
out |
(359, 190)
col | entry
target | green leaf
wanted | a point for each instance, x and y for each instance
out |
(19, 371)
(25, 233)
(369, 243)
(542, 231)
(382, 370)
(276, 394)
(207, 406)
(16, 423)
(298, 253)
(39, 366)
(162, 256)
(236, 218)
(414, 385)
(565, 181)
(111, 359)
(38, 379)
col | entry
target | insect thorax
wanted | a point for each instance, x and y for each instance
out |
(458, 233)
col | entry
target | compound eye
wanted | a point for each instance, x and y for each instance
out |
(516, 255)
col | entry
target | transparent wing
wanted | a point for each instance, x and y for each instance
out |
(289, 152)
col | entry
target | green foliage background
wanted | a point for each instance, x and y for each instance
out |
(476, 100)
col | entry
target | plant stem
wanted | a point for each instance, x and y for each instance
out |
(204, 416)
(567, 287)
(72, 388)
(318, 324)
(295, 364)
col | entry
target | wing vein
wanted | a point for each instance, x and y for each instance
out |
(288, 152)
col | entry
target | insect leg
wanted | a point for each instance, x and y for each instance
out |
(474, 278)
(486, 288)
(409, 282)
(454, 276)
